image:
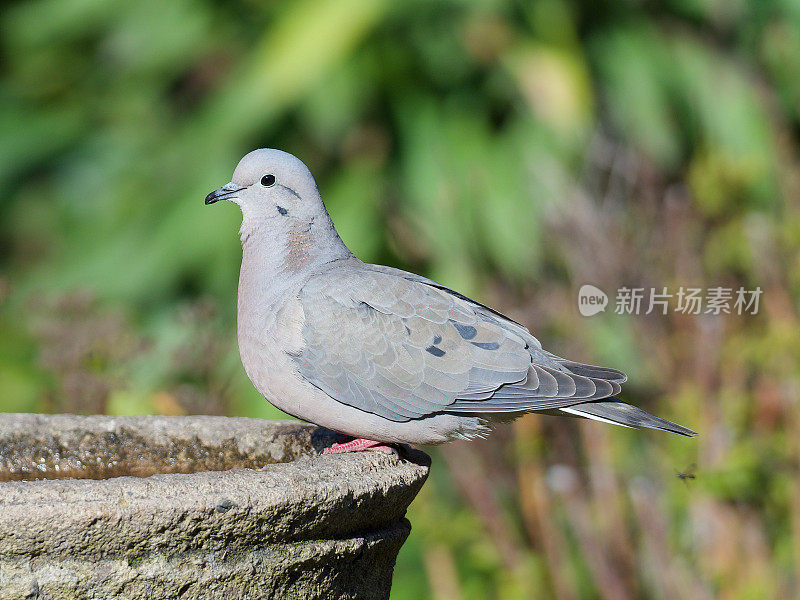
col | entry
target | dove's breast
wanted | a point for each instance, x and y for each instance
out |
(268, 333)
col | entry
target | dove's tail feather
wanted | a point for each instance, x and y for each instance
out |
(617, 412)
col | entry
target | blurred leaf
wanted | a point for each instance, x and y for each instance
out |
(633, 62)
(556, 85)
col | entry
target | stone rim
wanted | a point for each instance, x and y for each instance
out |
(308, 499)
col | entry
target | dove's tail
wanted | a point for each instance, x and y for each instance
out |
(616, 412)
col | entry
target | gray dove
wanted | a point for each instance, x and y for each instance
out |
(380, 354)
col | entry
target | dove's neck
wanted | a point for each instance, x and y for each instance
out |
(276, 262)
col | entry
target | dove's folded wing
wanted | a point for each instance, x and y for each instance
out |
(405, 349)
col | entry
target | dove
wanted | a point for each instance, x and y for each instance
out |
(380, 354)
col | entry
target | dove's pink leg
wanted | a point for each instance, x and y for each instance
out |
(358, 445)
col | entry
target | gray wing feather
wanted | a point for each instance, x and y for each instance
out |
(402, 347)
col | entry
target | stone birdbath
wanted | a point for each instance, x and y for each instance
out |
(195, 507)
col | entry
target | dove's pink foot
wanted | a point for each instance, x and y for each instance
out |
(357, 445)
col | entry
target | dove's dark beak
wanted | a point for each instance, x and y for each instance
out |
(226, 192)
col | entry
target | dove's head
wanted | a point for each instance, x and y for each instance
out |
(271, 184)
(281, 206)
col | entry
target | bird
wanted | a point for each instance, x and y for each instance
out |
(379, 354)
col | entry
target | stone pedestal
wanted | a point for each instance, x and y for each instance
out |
(195, 508)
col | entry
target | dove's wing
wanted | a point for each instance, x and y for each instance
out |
(402, 347)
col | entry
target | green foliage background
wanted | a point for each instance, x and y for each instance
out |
(513, 150)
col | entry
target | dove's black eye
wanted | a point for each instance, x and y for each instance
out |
(268, 180)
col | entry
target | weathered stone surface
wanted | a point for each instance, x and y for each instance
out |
(313, 527)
